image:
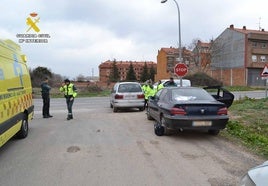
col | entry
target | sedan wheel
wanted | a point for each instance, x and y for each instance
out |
(166, 130)
(214, 132)
(158, 129)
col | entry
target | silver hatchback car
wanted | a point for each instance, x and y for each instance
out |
(127, 95)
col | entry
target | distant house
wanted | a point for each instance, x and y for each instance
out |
(167, 59)
(202, 56)
(105, 69)
(238, 56)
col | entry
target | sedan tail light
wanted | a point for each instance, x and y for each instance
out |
(117, 96)
(222, 111)
(140, 96)
(177, 111)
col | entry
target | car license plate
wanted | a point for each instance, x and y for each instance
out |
(130, 96)
(201, 123)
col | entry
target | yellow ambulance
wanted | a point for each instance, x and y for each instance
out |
(16, 102)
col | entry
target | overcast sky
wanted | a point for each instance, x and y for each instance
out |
(85, 33)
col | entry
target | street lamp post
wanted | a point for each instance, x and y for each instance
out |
(179, 27)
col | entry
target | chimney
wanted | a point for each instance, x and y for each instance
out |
(232, 26)
(244, 28)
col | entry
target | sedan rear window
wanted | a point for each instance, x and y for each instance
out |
(190, 94)
(129, 88)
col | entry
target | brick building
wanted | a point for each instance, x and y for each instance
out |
(167, 59)
(123, 68)
(202, 56)
(238, 56)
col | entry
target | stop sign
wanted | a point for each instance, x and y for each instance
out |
(180, 69)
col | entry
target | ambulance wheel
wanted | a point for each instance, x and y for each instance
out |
(23, 132)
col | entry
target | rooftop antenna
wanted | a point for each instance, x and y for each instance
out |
(259, 23)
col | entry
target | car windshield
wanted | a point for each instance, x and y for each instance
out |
(190, 94)
(129, 88)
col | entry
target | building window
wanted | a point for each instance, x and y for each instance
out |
(263, 45)
(254, 44)
(263, 58)
(254, 58)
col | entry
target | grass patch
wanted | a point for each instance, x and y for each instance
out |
(248, 123)
(243, 88)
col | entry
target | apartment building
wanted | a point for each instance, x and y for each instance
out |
(238, 56)
(105, 69)
(202, 56)
(167, 59)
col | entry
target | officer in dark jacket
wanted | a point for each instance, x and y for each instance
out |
(45, 88)
(171, 83)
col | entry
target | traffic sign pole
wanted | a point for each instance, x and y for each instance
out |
(180, 70)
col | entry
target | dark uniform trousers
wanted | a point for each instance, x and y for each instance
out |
(46, 104)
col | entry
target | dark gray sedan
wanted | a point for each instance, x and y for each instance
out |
(179, 108)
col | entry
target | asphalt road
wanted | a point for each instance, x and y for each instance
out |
(258, 94)
(99, 147)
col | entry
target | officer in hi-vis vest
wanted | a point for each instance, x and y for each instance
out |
(70, 92)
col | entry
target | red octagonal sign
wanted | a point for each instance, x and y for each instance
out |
(180, 69)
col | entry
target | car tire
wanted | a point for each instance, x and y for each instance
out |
(158, 129)
(214, 131)
(141, 109)
(23, 132)
(166, 130)
(149, 117)
(115, 109)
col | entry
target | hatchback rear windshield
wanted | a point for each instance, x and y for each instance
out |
(129, 88)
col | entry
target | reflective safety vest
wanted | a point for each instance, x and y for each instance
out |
(159, 87)
(148, 91)
(69, 90)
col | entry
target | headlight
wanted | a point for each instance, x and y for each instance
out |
(246, 181)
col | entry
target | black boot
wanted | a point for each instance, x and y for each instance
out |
(70, 116)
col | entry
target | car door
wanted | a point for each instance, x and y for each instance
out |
(153, 104)
(158, 103)
(221, 94)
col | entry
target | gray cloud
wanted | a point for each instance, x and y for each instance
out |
(85, 33)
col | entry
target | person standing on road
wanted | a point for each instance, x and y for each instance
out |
(148, 91)
(45, 89)
(70, 92)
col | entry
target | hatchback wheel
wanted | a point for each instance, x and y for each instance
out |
(115, 109)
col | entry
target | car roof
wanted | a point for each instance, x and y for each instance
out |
(128, 82)
(183, 88)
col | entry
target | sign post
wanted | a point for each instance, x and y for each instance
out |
(181, 70)
(264, 75)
